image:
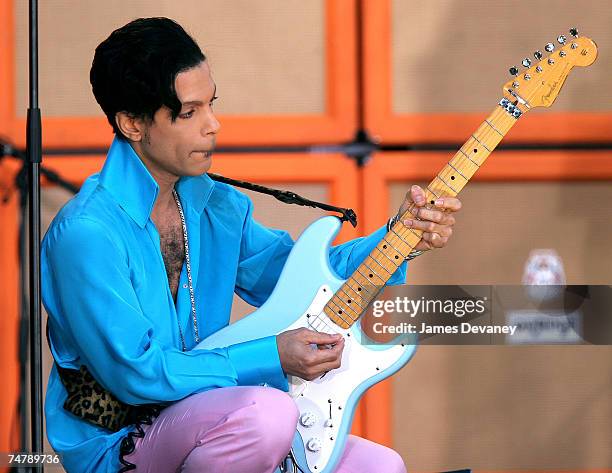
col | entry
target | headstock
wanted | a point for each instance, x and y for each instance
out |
(540, 83)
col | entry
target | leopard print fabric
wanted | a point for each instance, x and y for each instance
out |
(90, 401)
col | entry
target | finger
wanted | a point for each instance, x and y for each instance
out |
(328, 355)
(320, 338)
(432, 215)
(429, 227)
(448, 203)
(417, 195)
(435, 239)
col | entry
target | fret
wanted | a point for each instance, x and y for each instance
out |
(481, 143)
(418, 235)
(389, 243)
(351, 298)
(357, 290)
(410, 238)
(430, 190)
(372, 272)
(498, 132)
(468, 166)
(450, 163)
(437, 190)
(403, 240)
(347, 309)
(389, 265)
(368, 277)
(342, 310)
(463, 153)
(453, 190)
(397, 258)
(386, 270)
(490, 138)
(457, 177)
(335, 319)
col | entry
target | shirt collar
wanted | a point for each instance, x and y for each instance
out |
(133, 187)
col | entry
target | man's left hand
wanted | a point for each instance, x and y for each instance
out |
(436, 221)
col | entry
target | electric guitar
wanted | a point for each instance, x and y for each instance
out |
(309, 293)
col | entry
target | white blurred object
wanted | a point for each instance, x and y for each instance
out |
(543, 275)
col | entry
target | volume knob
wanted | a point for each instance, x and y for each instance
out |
(308, 419)
(314, 444)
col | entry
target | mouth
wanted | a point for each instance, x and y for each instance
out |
(203, 154)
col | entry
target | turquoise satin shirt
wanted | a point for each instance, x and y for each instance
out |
(105, 288)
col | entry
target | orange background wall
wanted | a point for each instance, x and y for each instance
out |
(359, 89)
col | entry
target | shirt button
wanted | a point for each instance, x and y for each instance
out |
(185, 286)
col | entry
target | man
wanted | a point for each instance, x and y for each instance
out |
(143, 263)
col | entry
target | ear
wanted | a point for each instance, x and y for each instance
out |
(131, 127)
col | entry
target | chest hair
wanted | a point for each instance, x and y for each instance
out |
(172, 248)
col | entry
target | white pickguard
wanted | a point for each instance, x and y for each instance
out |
(323, 400)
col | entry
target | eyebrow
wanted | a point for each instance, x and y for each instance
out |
(199, 102)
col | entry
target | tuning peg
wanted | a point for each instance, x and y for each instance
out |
(561, 39)
(514, 71)
(574, 32)
(549, 47)
(537, 55)
(526, 62)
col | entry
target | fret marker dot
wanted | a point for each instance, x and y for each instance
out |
(396, 257)
(371, 275)
(339, 311)
(452, 178)
(432, 202)
(384, 247)
(358, 289)
(475, 150)
(349, 301)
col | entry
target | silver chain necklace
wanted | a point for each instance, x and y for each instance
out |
(188, 264)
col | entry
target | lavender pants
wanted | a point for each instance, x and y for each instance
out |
(239, 430)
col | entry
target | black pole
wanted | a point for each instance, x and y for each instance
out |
(34, 158)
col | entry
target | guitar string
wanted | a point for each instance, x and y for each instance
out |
(497, 114)
(485, 135)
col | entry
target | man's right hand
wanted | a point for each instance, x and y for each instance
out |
(307, 354)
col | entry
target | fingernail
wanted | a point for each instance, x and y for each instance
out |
(408, 223)
(439, 202)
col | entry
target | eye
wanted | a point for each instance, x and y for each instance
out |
(187, 115)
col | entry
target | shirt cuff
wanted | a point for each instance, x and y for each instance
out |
(257, 362)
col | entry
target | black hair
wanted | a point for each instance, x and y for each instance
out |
(134, 69)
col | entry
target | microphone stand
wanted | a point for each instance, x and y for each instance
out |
(33, 161)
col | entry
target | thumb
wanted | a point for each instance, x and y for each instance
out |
(321, 338)
(417, 194)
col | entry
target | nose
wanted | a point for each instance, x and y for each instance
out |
(211, 125)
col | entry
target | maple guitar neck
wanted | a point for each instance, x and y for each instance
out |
(361, 288)
(538, 86)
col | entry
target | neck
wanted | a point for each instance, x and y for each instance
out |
(165, 180)
(165, 198)
(349, 303)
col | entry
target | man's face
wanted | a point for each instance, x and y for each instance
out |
(183, 147)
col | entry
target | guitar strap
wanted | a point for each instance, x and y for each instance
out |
(288, 197)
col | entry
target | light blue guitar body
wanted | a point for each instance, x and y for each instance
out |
(327, 404)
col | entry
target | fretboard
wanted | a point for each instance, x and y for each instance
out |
(350, 302)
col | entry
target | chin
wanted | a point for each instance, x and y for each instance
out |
(199, 168)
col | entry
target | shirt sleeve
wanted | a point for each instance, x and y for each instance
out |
(264, 252)
(87, 283)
